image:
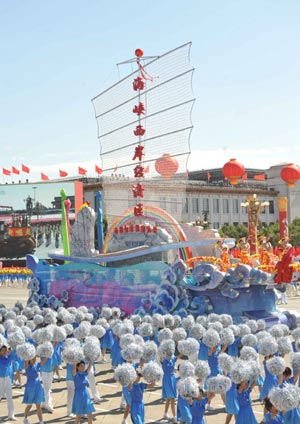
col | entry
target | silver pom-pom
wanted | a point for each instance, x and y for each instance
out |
(211, 338)
(253, 370)
(276, 365)
(2, 329)
(249, 340)
(244, 329)
(187, 322)
(147, 318)
(219, 384)
(145, 329)
(115, 312)
(261, 325)
(197, 331)
(26, 351)
(179, 334)
(169, 321)
(285, 398)
(267, 346)
(79, 316)
(132, 352)
(106, 312)
(139, 339)
(247, 353)
(296, 333)
(225, 362)
(27, 332)
(165, 334)
(262, 335)
(136, 319)
(125, 374)
(216, 326)
(239, 371)
(226, 320)
(68, 329)
(89, 317)
(226, 336)
(91, 348)
(83, 309)
(103, 323)
(188, 388)
(126, 339)
(284, 345)
(72, 353)
(166, 348)
(202, 319)
(30, 324)
(3, 341)
(295, 360)
(50, 317)
(202, 369)
(296, 344)
(186, 369)
(10, 315)
(149, 350)
(21, 320)
(213, 318)
(158, 321)
(83, 330)
(15, 337)
(177, 321)
(188, 347)
(59, 334)
(235, 329)
(97, 331)
(152, 372)
(42, 335)
(252, 324)
(127, 327)
(45, 350)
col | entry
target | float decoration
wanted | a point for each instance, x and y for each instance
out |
(233, 170)
(290, 174)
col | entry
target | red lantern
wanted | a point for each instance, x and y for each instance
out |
(166, 166)
(139, 53)
(233, 170)
(290, 174)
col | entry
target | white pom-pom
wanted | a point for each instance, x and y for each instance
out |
(166, 348)
(126, 339)
(239, 371)
(249, 340)
(213, 318)
(106, 312)
(186, 369)
(211, 338)
(188, 347)
(225, 362)
(187, 322)
(97, 331)
(149, 350)
(91, 348)
(285, 398)
(158, 321)
(169, 321)
(202, 369)
(125, 374)
(226, 320)
(50, 317)
(284, 345)
(235, 329)
(188, 387)
(179, 334)
(247, 353)
(253, 370)
(216, 326)
(202, 319)
(296, 334)
(147, 318)
(165, 334)
(295, 361)
(26, 331)
(244, 329)
(262, 335)
(252, 324)
(83, 330)
(267, 346)
(3, 341)
(59, 334)
(103, 323)
(30, 324)
(42, 335)
(72, 354)
(296, 344)
(127, 327)
(26, 351)
(115, 312)
(177, 321)
(145, 329)
(219, 384)
(68, 329)
(89, 317)
(45, 350)
(226, 336)
(261, 324)
(197, 331)
(136, 319)
(16, 337)
(276, 365)
(152, 372)
(132, 352)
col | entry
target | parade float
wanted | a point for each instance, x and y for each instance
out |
(146, 264)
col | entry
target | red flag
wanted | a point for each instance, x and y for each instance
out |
(81, 171)
(245, 176)
(44, 177)
(186, 173)
(98, 170)
(116, 168)
(15, 170)
(208, 175)
(147, 169)
(6, 171)
(63, 173)
(260, 177)
(25, 169)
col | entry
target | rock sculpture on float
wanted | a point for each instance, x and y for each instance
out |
(83, 233)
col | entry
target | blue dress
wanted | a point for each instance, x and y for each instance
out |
(275, 420)
(245, 414)
(169, 379)
(115, 354)
(57, 354)
(233, 349)
(107, 340)
(34, 392)
(127, 395)
(82, 403)
(232, 405)
(292, 417)
(184, 414)
(198, 410)
(203, 352)
(137, 410)
(269, 382)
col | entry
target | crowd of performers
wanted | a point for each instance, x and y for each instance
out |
(194, 360)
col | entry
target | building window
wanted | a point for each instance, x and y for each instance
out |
(162, 203)
(173, 205)
(216, 225)
(244, 210)
(225, 206)
(195, 205)
(235, 206)
(216, 206)
(205, 204)
(271, 206)
(185, 206)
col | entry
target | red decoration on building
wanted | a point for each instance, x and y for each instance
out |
(139, 52)
(233, 170)
(116, 231)
(138, 84)
(166, 166)
(290, 174)
(138, 190)
(139, 130)
(138, 209)
(138, 152)
(139, 109)
(139, 171)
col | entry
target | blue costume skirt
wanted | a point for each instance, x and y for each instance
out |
(34, 393)
(137, 412)
(82, 403)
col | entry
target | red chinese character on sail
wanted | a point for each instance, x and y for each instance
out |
(139, 130)
(138, 190)
(138, 209)
(139, 171)
(138, 152)
(138, 84)
(139, 109)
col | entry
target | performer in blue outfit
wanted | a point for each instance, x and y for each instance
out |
(115, 354)
(269, 380)
(169, 381)
(6, 360)
(82, 404)
(34, 392)
(273, 416)
(137, 409)
(184, 414)
(197, 406)
(232, 406)
(245, 414)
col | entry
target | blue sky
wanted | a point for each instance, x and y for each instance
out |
(55, 56)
